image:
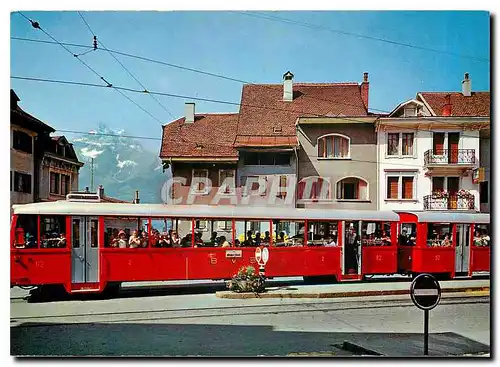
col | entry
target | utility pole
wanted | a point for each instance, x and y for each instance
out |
(92, 175)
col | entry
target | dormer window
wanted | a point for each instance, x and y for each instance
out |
(410, 111)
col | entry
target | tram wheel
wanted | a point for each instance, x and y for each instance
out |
(112, 290)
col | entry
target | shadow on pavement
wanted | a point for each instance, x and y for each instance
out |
(141, 339)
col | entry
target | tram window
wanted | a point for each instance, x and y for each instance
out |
(408, 234)
(439, 234)
(288, 233)
(53, 231)
(123, 232)
(322, 234)
(482, 235)
(217, 233)
(93, 233)
(375, 234)
(26, 231)
(75, 233)
(252, 233)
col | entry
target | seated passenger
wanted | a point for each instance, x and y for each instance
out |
(237, 243)
(61, 243)
(198, 241)
(477, 239)
(330, 242)
(223, 242)
(134, 241)
(213, 239)
(281, 239)
(257, 240)
(175, 240)
(122, 241)
(164, 240)
(186, 240)
(386, 240)
(155, 238)
(485, 238)
(267, 237)
(446, 242)
(249, 241)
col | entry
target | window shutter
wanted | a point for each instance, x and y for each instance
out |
(300, 192)
(362, 190)
(438, 142)
(321, 148)
(392, 187)
(407, 187)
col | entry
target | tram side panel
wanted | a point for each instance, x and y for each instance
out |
(38, 267)
(480, 259)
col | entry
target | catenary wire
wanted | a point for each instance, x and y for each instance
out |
(127, 70)
(36, 25)
(209, 100)
(217, 75)
(337, 31)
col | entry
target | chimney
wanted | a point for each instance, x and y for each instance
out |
(87, 189)
(136, 199)
(288, 87)
(466, 87)
(101, 191)
(189, 113)
(365, 86)
(447, 107)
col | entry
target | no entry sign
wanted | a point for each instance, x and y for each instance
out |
(425, 292)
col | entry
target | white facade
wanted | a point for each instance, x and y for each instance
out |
(411, 167)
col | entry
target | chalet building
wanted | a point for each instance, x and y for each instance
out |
(43, 167)
(429, 149)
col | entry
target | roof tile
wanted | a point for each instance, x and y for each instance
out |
(478, 104)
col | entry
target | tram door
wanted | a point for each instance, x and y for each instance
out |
(351, 251)
(84, 251)
(462, 248)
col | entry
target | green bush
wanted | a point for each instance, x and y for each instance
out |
(247, 280)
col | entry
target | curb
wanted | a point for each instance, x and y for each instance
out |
(232, 295)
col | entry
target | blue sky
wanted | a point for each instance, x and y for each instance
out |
(236, 45)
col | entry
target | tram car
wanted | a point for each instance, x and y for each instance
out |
(85, 245)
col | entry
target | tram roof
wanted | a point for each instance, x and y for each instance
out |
(199, 211)
(451, 217)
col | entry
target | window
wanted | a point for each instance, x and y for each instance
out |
(26, 231)
(225, 225)
(313, 188)
(375, 233)
(53, 231)
(22, 141)
(400, 187)
(267, 159)
(408, 234)
(482, 235)
(407, 143)
(65, 188)
(410, 111)
(439, 234)
(226, 177)
(322, 234)
(393, 144)
(122, 232)
(483, 192)
(352, 188)
(282, 188)
(333, 146)
(22, 182)
(200, 177)
(54, 183)
(201, 225)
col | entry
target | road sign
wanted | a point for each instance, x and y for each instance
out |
(258, 254)
(425, 292)
(265, 255)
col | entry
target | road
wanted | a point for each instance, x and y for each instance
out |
(204, 325)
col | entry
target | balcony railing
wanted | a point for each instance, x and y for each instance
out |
(450, 156)
(439, 201)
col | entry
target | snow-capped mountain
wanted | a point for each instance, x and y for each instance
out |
(121, 165)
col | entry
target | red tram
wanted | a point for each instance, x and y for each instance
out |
(85, 245)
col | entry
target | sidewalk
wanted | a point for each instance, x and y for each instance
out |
(365, 289)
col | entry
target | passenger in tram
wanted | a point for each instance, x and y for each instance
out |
(446, 241)
(485, 238)
(61, 241)
(155, 237)
(122, 241)
(134, 241)
(386, 240)
(237, 243)
(281, 240)
(257, 240)
(30, 240)
(213, 239)
(175, 241)
(331, 242)
(198, 241)
(186, 241)
(267, 237)
(249, 241)
(224, 242)
(351, 251)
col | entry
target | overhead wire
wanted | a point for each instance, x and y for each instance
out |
(220, 76)
(357, 35)
(123, 66)
(36, 25)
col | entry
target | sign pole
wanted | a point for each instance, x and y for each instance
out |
(426, 332)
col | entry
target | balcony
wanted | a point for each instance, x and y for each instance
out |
(465, 157)
(463, 200)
